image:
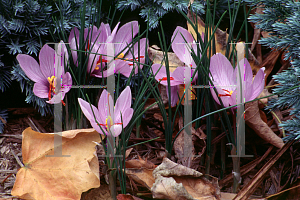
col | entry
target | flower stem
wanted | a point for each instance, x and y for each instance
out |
(113, 184)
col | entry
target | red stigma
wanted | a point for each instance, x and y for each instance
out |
(166, 78)
(225, 95)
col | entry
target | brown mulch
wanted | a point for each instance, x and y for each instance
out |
(282, 175)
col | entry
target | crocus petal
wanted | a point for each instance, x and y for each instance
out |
(243, 80)
(87, 111)
(125, 34)
(41, 90)
(111, 37)
(56, 98)
(248, 76)
(94, 57)
(232, 100)
(105, 102)
(174, 95)
(247, 92)
(159, 71)
(123, 102)
(126, 67)
(123, 67)
(225, 99)
(116, 130)
(102, 34)
(258, 84)
(74, 43)
(98, 129)
(180, 37)
(46, 57)
(104, 31)
(223, 76)
(178, 74)
(126, 117)
(163, 74)
(90, 34)
(63, 52)
(66, 82)
(222, 70)
(31, 68)
(74, 33)
(100, 74)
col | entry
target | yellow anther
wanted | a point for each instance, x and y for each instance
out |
(52, 80)
(121, 55)
(110, 120)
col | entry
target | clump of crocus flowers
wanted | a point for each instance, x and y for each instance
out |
(110, 51)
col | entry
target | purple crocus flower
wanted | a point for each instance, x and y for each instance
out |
(97, 42)
(108, 117)
(124, 63)
(225, 78)
(176, 78)
(182, 44)
(129, 61)
(94, 38)
(43, 75)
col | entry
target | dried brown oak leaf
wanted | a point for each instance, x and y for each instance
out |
(253, 119)
(141, 171)
(174, 181)
(57, 177)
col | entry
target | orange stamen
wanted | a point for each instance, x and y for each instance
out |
(63, 103)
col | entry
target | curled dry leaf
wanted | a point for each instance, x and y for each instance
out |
(168, 188)
(221, 37)
(264, 93)
(127, 153)
(169, 168)
(143, 176)
(253, 119)
(139, 163)
(45, 176)
(181, 144)
(174, 181)
(141, 171)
